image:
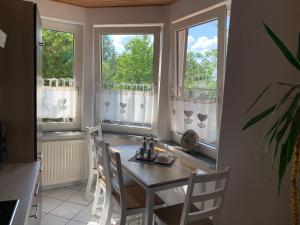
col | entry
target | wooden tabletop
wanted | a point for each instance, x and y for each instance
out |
(152, 175)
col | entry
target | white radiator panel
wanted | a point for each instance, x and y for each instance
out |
(64, 162)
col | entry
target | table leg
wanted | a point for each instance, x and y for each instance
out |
(149, 207)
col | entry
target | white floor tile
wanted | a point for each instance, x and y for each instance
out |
(78, 198)
(49, 204)
(85, 216)
(77, 187)
(72, 222)
(67, 210)
(62, 193)
(53, 220)
(46, 192)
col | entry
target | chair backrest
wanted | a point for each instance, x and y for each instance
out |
(99, 157)
(113, 172)
(93, 134)
(211, 200)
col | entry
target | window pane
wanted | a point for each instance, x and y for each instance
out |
(59, 93)
(201, 60)
(196, 107)
(127, 79)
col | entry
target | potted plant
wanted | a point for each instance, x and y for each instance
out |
(283, 135)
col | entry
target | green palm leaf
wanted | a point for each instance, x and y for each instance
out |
(288, 147)
(289, 56)
(259, 117)
(259, 97)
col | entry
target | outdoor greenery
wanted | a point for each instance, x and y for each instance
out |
(134, 65)
(58, 51)
(201, 70)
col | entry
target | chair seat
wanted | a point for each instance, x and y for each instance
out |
(171, 215)
(128, 182)
(136, 198)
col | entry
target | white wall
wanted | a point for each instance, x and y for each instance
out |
(253, 63)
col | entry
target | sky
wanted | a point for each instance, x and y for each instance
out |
(201, 38)
(119, 41)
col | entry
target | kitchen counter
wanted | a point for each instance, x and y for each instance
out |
(18, 181)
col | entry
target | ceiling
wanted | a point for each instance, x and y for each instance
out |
(114, 3)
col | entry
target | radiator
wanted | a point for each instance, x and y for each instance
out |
(64, 162)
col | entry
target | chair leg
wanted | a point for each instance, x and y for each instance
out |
(143, 219)
(107, 209)
(89, 186)
(123, 218)
(96, 198)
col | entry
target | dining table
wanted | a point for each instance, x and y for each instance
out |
(155, 177)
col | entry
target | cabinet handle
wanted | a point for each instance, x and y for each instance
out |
(37, 187)
(35, 216)
(40, 156)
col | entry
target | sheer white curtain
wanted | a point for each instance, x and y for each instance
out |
(128, 107)
(59, 102)
(198, 110)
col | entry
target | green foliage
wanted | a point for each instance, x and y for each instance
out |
(134, 65)
(201, 70)
(283, 133)
(136, 62)
(58, 53)
(110, 59)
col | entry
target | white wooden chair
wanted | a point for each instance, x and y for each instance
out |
(210, 202)
(101, 180)
(131, 199)
(92, 134)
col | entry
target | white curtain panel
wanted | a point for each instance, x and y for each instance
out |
(196, 114)
(182, 38)
(134, 107)
(59, 102)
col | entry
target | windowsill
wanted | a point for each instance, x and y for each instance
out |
(204, 149)
(62, 135)
(198, 154)
(208, 161)
(126, 129)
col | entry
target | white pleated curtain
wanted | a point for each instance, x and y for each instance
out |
(196, 111)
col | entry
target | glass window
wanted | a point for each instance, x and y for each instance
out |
(199, 65)
(127, 79)
(61, 55)
(201, 60)
(59, 97)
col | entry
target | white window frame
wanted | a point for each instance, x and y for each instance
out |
(77, 30)
(219, 13)
(156, 30)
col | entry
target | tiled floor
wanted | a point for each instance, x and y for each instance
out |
(67, 206)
